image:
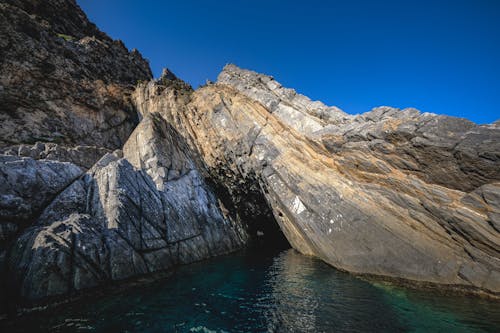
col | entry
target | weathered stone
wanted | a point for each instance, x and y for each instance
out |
(62, 80)
(28, 185)
(386, 193)
(392, 193)
(123, 219)
(83, 156)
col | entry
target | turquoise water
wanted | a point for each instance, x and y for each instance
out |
(281, 291)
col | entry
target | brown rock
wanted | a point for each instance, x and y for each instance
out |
(392, 193)
(61, 79)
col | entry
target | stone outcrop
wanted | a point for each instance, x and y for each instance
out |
(64, 103)
(392, 193)
(83, 156)
(76, 213)
(26, 187)
(92, 192)
(62, 81)
(127, 216)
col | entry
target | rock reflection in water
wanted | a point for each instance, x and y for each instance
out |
(264, 291)
(309, 298)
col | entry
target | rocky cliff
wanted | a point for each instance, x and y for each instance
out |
(75, 212)
(107, 175)
(127, 216)
(391, 193)
(63, 83)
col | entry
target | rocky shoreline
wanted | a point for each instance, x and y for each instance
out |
(107, 174)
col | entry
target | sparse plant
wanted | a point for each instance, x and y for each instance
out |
(67, 38)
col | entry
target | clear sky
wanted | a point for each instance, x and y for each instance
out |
(440, 56)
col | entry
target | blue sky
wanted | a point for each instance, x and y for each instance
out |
(439, 56)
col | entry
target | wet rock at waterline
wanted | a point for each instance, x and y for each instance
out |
(127, 216)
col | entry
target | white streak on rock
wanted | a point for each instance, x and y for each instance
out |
(297, 206)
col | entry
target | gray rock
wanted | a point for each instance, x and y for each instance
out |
(83, 156)
(28, 185)
(296, 110)
(126, 217)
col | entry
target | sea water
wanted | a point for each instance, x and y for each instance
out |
(265, 291)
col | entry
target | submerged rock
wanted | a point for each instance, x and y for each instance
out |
(392, 193)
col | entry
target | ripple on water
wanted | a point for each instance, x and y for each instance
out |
(256, 292)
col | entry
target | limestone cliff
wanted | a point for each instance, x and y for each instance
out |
(74, 212)
(393, 193)
(127, 216)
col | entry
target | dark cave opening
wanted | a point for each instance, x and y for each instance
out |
(265, 232)
(247, 203)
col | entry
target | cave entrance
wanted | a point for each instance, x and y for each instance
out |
(265, 232)
(245, 201)
(257, 215)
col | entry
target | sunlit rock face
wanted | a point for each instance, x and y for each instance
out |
(63, 83)
(92, 192)
(75, 213)
(393, 193)
(127, 216)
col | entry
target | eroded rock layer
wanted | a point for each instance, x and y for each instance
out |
(63, 82)
(75, 212)
(127, 216)
(90, 196)
(392, 193)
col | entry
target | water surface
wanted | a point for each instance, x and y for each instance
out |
(252, 291)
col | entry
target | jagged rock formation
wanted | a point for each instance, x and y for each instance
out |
(127, 216)
(391, 193)
(83, 156)
(62, 81)
(26, 187)
(64, 104)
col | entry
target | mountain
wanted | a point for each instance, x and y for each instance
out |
(108, 175)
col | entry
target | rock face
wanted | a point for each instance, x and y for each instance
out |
(89, 195)
(62, 81)
(83, 156)
(392, 193)
(68, 223)
(127, 216)
(26, 187)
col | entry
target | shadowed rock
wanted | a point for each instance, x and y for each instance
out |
(62, 81)
(125, 217)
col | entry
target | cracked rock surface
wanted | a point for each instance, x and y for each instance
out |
(92, 192)
(75, 213)
(62, 81)
(393, 193)
(127, 216)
